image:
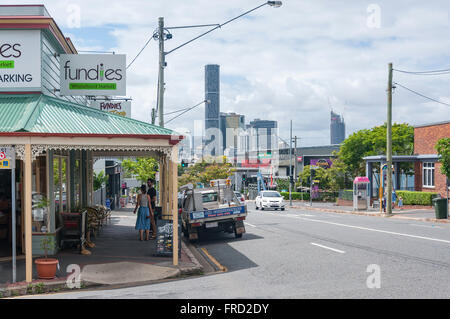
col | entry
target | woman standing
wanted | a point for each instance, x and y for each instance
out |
(143, 217)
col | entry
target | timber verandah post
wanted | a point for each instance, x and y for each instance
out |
(28, 214)
(174, 203)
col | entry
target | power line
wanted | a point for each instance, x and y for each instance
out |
(185, 111)
(145, 45)
(420, 94)
(180, 110)
(435, 72)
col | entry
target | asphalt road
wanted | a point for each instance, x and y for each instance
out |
(311, 254)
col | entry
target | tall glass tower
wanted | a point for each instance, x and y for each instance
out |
(337, 129)
(212, 110)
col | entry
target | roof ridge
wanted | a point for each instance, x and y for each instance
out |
(30, 110)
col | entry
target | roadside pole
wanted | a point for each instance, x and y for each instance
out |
(290, 168)
(162, 64)
(389, 145)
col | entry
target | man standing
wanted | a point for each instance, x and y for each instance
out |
(151, 191)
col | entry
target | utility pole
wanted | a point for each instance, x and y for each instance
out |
(162, 64)
(290, 168)
(389, 145)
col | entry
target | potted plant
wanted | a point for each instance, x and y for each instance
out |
(46, 267)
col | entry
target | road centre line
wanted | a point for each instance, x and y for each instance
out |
(376, 230)
(250, 224)
(333, 249)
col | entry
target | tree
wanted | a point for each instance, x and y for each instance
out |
(373, 142)
(443, 148)
(203, 172)
(142, 168)
(99, 180)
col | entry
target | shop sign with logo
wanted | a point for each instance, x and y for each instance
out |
(7, 158)
(93, 74)
(323, 163)
(116, 107)
(20, 60)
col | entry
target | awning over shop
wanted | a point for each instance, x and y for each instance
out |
(39, 113)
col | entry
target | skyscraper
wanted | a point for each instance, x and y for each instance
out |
(337, 128)
(212, 110)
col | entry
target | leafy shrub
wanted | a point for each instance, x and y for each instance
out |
(295, 195)
(416, 198)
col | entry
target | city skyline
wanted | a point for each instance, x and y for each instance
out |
(284, 67)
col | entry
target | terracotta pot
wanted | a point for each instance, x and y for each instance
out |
(46, 267)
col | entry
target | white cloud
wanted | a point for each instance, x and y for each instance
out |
(291, 62)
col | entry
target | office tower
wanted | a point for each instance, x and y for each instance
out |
(232, 126)
(212, 110)
(337, 128)
(266, 135)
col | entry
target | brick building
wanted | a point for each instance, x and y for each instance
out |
(428, 177)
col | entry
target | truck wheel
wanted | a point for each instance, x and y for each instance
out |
(184, 231)
(236, 235)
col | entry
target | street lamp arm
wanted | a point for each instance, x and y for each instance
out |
(218, 26)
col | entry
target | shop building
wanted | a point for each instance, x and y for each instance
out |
(55, 139)
(428, 176)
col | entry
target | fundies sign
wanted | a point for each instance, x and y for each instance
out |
(93, 74)
(113, 106)
(20, 60)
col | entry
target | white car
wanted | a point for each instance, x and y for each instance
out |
(269, 199)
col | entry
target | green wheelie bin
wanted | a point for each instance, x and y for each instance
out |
(440, 208)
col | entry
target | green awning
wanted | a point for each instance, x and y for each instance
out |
(39, 113)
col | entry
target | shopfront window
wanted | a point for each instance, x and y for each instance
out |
(428, 174)
(60, 186)
(40, 205)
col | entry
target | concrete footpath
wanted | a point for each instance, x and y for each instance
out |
(410, 214)
(119, 259)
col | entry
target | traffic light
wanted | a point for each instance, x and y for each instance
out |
(184, 164)
(244, 177)
(291, 179)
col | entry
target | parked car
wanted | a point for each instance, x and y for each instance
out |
(240, 197)
(269, 199)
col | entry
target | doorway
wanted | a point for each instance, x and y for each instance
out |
(5, 213)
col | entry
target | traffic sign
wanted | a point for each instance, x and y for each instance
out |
(7, 158)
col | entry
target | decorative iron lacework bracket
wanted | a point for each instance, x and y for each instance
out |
(39, 149)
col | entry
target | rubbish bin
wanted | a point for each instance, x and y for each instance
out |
(440, 208)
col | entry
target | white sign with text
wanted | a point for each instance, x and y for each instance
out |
(93, 74)
(113, 106)
(20, 60)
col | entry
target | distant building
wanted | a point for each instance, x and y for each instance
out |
(337, 129)
(232, 126)
(212, 110)
(264, 135)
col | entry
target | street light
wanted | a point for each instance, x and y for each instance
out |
(163, 34)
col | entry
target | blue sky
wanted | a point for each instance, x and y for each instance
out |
(294, 62)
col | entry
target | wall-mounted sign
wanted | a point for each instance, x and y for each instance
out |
(93, 74)
(7, 158)
(20, 60)
(113, 106)
(323, 162)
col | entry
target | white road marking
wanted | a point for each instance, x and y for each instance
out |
(333, 249)
(250, 224)
(377, 230)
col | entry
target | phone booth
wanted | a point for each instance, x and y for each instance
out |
(361, 196)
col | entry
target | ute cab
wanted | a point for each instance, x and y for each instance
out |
(212, 209)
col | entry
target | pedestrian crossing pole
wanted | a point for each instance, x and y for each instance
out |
(389, 145)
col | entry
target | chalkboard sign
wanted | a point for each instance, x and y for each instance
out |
(164, 238)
